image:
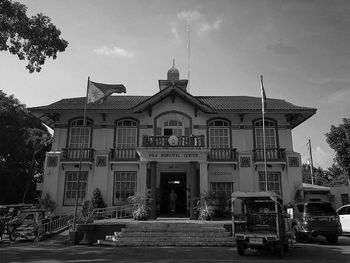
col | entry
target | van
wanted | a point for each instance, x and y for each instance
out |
(314, 219)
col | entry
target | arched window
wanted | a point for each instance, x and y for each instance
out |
(79, 135)
(219, 134)
(173, 127)
(126, 134)
(270, 134)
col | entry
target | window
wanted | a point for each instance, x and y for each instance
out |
(270, 134)
(71, 187)
(223, 193)
(223, 190)
(126, 134)
(273, 182)
(173, 127)
(219, 134)
(79, 134)
(124, 186)
(344, 199)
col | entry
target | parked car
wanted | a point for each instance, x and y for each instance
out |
(344, 216)
(314, 219)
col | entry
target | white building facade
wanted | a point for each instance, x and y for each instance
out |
(171, 140)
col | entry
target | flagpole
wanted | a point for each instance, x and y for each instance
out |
(82, 133)
(264, 139)
(189, 51)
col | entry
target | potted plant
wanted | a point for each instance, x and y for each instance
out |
(86, 221)
(141, 206)
(204, 209)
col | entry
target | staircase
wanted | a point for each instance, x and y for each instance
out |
(160, 234)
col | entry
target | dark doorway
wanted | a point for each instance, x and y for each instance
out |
(176, 182)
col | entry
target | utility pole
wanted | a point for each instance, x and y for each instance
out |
(311, 162)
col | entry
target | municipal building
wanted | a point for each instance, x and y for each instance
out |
(171, 140)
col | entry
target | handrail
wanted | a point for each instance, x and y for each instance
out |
(57, 224)
(73, 154)
(272, 154)
(121, 211)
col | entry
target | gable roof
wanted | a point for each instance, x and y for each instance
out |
(207, 104)
(172, 91)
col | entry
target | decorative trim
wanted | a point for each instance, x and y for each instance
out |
(101, 161)
(245, 161)
(200, 127)
(146, 126)
(293, 161)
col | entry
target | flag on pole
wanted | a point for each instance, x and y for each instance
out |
(263, 96)
(97, 92)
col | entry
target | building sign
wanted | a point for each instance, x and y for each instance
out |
(173, 155)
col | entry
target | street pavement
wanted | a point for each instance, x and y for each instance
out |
(52, 251)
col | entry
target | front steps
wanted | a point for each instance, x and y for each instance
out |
(159, 234)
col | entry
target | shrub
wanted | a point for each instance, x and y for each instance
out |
(204, 209)
(97, 200)
(48, 204)
(141, 205)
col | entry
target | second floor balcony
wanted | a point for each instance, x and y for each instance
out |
(127, 154)
(77, 154)
(181, 141)
(222, 154)
(272, 155)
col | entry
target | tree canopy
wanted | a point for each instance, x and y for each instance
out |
(23, 144)
(339, 140)
(332, 176)
(32, 38)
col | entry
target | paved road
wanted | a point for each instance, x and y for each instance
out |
(316, 250)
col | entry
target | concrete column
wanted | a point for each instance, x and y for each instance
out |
(193, 188)
(203, 177)
(153, 214)
(141, 178)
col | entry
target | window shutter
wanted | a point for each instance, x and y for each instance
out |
(158, 132)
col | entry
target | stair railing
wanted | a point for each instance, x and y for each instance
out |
(119, 212)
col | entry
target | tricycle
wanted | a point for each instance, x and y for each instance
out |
(27, 224)
(261, 223)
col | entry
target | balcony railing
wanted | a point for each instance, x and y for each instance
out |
(183, 141)
(73, 154)
(222, 154)
(272, 155)
(123, 155)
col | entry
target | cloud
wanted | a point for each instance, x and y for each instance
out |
(322, 158)
(334, 90)
(199, 24)
(114, 52)
(281, 48)
(184, 15)
(204, 28)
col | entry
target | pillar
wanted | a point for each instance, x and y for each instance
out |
(193, 188)
(153, 212)
(203, 175)
(141, 178)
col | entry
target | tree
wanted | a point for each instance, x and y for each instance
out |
(339, 140)
(332, 176)
(23, 144)
(32, 38)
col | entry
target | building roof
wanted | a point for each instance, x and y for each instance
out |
(314, 187)
(208, 104)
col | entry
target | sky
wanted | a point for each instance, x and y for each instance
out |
(301, 47)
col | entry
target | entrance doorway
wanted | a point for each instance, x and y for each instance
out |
(176, 182)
